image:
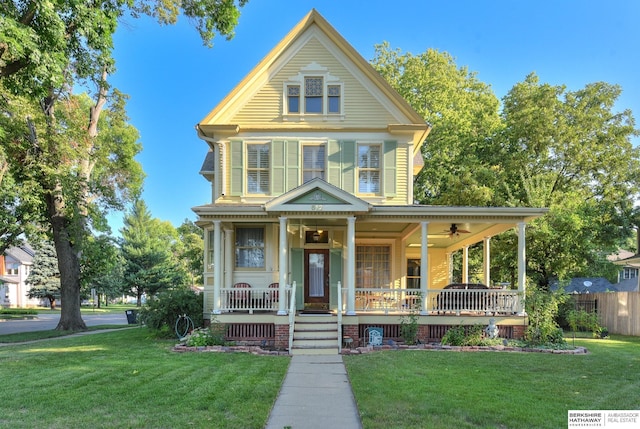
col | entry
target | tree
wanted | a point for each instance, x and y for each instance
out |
(102, 268)
(463, 113)
(150, 265)
(191, 249)
(569, 151)
(81, 170)
(44, 277)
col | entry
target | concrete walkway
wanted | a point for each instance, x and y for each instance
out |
(315, 394)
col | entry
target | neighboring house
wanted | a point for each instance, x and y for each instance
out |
(15, 266)
(628, 277)
(587, 285)
(312, 159)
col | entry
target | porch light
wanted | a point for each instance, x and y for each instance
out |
(316, 236)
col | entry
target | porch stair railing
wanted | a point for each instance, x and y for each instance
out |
(292, 315)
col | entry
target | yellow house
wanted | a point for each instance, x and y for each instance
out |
(312, 235)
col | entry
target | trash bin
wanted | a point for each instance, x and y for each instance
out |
(132, 316)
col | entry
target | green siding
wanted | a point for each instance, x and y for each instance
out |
(390, 166)
(237, 168)
(334, 164)
(335, 275)
(297, 275)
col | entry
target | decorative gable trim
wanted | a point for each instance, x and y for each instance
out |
(317, 196)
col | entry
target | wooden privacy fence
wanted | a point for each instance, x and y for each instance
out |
(619, 312)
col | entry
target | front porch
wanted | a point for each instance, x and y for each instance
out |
(252, 316)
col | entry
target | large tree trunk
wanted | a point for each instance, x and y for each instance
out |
(68, 265)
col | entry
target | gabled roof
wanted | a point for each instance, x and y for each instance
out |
(416, 124)
(23, 254)
(587, 285)
(627, 285)
(319, 193)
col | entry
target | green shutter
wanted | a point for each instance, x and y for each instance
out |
(334, 164)
(335, 275)
(297, 275)
(237, 168)
(293, 165)
(278, 165)
(348, 152)
(390, 179)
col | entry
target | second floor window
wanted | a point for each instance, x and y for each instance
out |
(13, 268)
(258, 168)
(312, 162)
(369, 168)
(313, 94)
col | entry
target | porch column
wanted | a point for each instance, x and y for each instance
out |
(424, 267)
(522, 266)
(228, 258)
(351, 266)
(283, 267)
(217, 266)
(450, 267)
(486, 250)
(465, 264)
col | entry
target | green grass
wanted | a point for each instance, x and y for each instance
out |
(124, 379)
(436, 389)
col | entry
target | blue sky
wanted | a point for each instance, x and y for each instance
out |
(174, 81)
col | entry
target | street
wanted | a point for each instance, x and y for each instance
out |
(44, 322)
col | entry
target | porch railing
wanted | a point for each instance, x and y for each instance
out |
(439, 301)
(292, 315)
(252, 299)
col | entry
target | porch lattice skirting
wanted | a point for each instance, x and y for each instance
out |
(277, 335)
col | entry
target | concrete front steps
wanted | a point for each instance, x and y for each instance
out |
(315, 335)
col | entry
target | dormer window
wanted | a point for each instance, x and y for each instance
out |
(313, 93)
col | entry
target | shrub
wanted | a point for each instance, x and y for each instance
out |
(542, 308)
(212, 336)
(454, 336)
(161, 312)
(409, 325)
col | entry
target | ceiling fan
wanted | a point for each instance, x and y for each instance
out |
(455, 231)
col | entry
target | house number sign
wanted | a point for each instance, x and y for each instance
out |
(317, 207)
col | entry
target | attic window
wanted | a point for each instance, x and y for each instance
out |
(314, 93)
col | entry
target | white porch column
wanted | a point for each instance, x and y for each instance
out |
(228, 258)
(351, 266)
(486, 250)
(465, 264)
(283, 267)
(450, 269)
(424, 267)
(522, 265)
(217, 266)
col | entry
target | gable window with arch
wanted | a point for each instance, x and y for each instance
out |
(313, 92)
(369, 168)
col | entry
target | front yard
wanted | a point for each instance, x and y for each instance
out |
(125, 379)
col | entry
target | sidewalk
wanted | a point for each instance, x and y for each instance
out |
(315, 394)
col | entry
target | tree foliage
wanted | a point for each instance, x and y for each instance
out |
(150, 265)
(44, 278)
(76, 151)
(190, 250)
(548, 146)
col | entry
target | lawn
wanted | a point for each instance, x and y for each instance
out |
(438, 389)
(124, 379)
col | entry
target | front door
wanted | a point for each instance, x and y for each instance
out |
(316, 279)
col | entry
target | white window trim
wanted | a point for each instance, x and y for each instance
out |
(312, 70)
(380, 145)
(304, 143)
(264, 248)
(392, 255)
(246, 166)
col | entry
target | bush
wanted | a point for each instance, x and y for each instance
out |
(542, 308)
(454, 336)
(161, 312)
(202, 337)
